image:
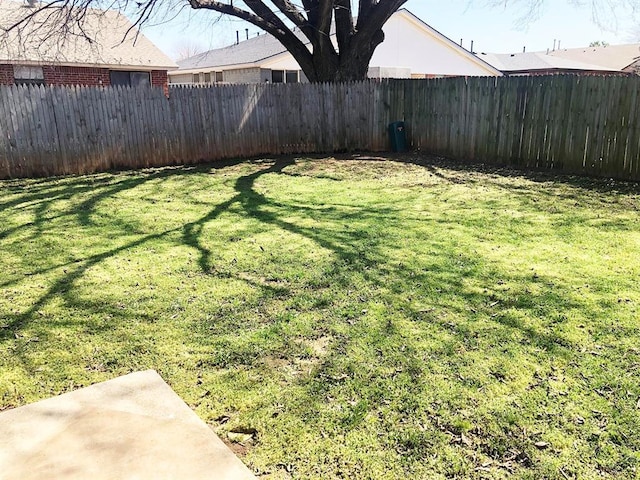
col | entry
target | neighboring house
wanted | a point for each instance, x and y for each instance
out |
(621, 58)
(108, 50)
(610, 59)
(412, 49)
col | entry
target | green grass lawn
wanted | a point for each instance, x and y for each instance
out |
(342, 318)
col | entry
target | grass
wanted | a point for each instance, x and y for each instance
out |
(341, 318)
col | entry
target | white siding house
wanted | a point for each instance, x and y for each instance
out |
(411, 44)
(412, 49)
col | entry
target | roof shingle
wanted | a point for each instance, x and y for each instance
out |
(253, 50)
(616, 57)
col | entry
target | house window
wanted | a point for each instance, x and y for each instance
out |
(196, 78)
(129, 79)
(207, 78)
(284, 76)
(219, 77)
(28, 75)
(292, 76)
(277, 76)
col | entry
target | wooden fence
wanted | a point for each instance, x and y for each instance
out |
(575, 124)
(61, 130)
(585, 125)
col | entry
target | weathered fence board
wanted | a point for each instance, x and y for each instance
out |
(584, 125)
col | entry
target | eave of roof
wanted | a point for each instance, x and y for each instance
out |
(103, 41)
(570, 71)
(535, 61)
(110, 66)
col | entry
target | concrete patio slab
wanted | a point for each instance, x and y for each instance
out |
(133, 427)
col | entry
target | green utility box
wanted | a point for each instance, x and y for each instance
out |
(398, 137)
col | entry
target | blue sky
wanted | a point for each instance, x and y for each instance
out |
(493, 29)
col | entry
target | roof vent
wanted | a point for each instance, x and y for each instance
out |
(31, 3)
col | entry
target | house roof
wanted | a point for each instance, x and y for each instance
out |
(257, 50)
(532, 61)
(615, 57)
(105, 39)
(252, 51)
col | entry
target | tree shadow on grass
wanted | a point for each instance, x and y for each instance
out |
(352, 255)
(344, 244)
(337, 370)
(63, 286)
(246, 197)
(397, 352)
(270, 212)
(44, 196)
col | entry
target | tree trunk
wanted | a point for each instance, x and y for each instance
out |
(350, 64)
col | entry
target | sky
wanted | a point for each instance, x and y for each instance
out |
(496, 29)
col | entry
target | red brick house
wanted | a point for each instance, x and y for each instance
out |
(104, 50)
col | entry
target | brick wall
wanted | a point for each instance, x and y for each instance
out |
(75, 76)
(6, 74)
(159, 78)
(59, 75)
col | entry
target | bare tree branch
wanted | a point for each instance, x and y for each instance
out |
(603, 12)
